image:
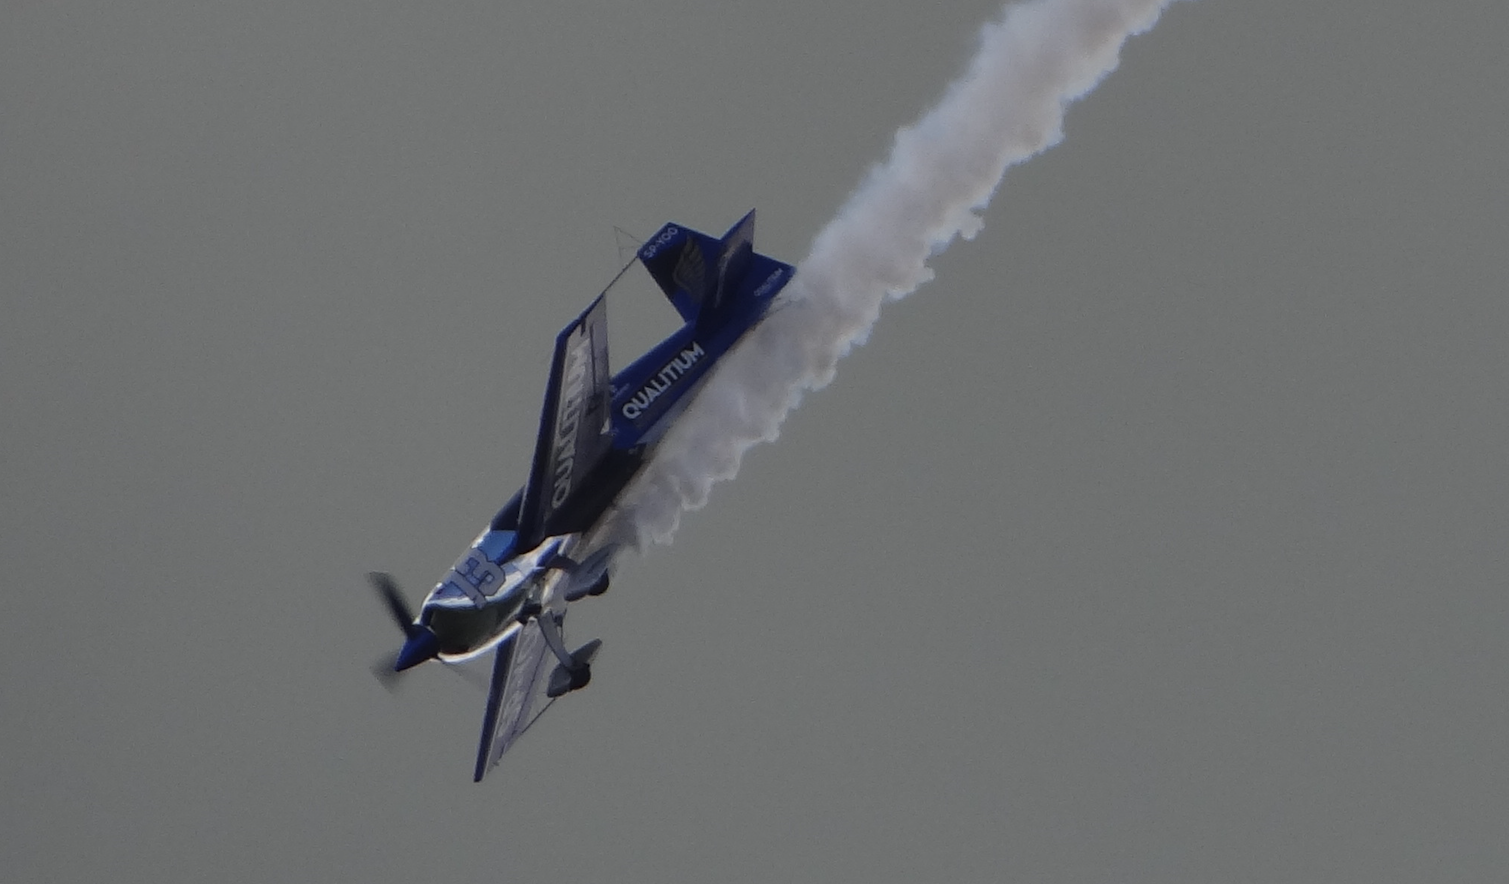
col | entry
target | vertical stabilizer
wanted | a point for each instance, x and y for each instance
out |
(696, 272)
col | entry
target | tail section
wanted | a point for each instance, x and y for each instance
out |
(696, 272)
(722, 288)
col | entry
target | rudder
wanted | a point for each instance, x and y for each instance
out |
(696, 271)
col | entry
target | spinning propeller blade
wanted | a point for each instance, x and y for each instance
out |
(387, 587)
(386, 675)
(420, 644)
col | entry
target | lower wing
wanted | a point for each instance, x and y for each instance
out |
(516, 697)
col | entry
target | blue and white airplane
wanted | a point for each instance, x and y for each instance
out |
(550, 545)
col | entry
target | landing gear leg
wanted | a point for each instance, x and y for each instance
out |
(575, 670)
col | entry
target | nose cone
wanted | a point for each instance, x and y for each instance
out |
(421, 645)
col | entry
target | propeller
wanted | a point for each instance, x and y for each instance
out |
(387, 587)
(384, 672)
(420, 644)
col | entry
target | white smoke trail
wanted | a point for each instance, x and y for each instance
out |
(1008, 106)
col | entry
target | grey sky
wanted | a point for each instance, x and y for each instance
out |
(1160, 538)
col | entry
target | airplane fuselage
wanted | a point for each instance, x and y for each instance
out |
(479, 601)
(597, 433)
(555, 541)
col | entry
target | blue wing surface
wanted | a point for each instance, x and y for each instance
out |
(574, 428)
(516, 696)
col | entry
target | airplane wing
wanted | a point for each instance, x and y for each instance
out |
(574, 427)
(516, 697)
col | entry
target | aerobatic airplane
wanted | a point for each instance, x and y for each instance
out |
(550, 545)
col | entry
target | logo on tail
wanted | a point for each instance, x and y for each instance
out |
(691, 271)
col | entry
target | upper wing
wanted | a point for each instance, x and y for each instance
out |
(574, 426)
(516, 697)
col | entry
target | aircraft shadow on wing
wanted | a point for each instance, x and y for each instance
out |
(508, 593)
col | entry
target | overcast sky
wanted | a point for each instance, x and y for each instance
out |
(1159, 539)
